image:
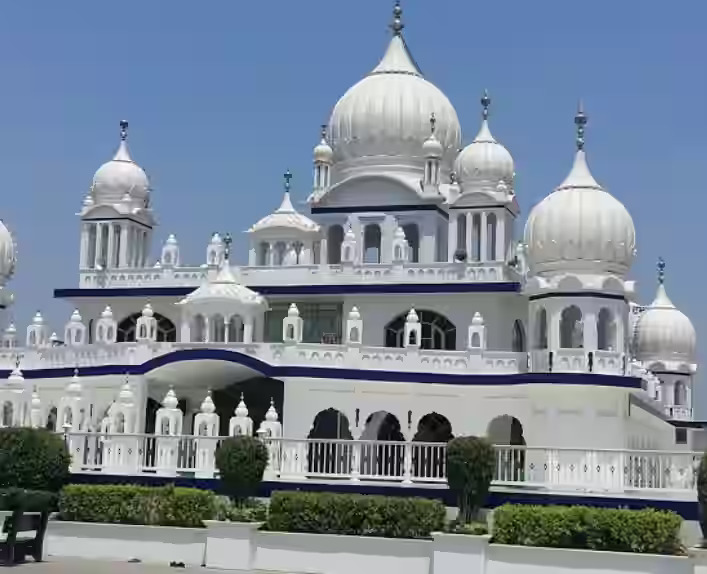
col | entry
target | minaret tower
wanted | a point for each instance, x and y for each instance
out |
(116, 217)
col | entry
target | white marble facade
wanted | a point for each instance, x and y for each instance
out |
(404, 291)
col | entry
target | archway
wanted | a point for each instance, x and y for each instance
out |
(330, 458)
(428, 461)
(51, 419)
(412, 235)
(571, 328)
(606, 331)
(382, 460)
(257, 394)
(166, 331)
(679, 394)
(541, 329)
(518, 343)
(438, 332)
(7, 414)
(335, 237)
(372, 243)
(507, 431)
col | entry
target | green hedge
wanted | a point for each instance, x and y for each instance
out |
(27, 500)
(124, 504)
(618, 530)
(354, 514)
(34, 459)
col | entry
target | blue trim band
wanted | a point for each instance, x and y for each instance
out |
(380, 209)
(689, 510)
(592, 294)
(337, 373)
(355, 289)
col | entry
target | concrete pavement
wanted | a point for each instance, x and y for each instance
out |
(77, 566)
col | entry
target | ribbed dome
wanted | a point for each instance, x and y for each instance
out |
(663, 333)
(286, 217)
(121, 177)
(580, 228)
(484, 162)
(384, 118)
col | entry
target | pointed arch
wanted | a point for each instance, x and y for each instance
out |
(335, 237)
(127, 328)
(412, 235)
(372, 243)
(329, 458)
(540, 329)
(438, 332)
(606, 331)
(518, 343)
(571, 328)
(429, 461)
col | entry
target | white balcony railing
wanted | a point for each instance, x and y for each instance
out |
(489, 271)
(563, 469)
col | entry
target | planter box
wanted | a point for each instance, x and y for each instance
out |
(334, 554)
(231, 545)
(699, 559)
(454, 553)
(123, 542)
(503, 559)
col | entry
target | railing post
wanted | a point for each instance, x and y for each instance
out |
(355, 460)
(407, 464)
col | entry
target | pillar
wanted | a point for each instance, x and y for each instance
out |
(500, 237)
(484, 237)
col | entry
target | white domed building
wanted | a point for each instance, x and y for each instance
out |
(393, 300)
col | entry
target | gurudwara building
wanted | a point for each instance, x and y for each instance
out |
(406, 306)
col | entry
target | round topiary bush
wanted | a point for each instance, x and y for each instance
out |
(241, 461)
(33, 459)
(702, 494)
(470, 466)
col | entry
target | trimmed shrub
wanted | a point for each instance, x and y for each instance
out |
(33, 459)
(645, 531)
(241, 462)
(471, 462)
(125, 504)
(354, 514)
(27, 500)
(702, 494)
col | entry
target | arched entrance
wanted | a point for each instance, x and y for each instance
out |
(323, 456)
(382, 460)
(428, 461)
(438, 332)
(507, 431)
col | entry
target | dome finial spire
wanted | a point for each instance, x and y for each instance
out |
(433, 123)
(288, 176)
(123, 130)
(397, 25)
(580, 120)
(661, 270)
(227, 240)
(323, 132)
(485, 103)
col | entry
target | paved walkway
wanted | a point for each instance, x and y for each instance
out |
(76, 566)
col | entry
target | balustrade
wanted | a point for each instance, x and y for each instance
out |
(556, 469)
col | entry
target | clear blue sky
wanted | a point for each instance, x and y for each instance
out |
(223, 96)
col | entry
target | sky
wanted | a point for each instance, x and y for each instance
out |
(224, 96)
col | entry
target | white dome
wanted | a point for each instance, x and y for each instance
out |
(286, 216)
(484, 162)
(663, 333)
(120, 176)
(384, 118)
(322, 151)
(8, 254)
(580, 227)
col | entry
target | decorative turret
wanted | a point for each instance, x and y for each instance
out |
(323, 160)
(354, 327)
(146, 326)
(241, 423)
(168, 419)
(71, 410)
(292, 326)
(9, 337)
(106, 327)
(413, 330)
(349, 252)
(170, 252)
(401, 247)
(75, 330)
(38, 332)
(477, 333)
(215, 251)
(433, 151)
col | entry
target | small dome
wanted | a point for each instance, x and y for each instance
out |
(107, 313)
(271, 414)
(580, 227)
(147, 311)
(75, 316)
(664, 334)
(412, 316)
(241, 409)
(432, 147)
(126, 395)
(36, 401)
(171, 239)
(354, 314)
(384, 117)
(224, 289)
(8, 254)
(170, 400)
(293, 311)
(11, 329)
(484, 162)
(38, 319)
(120, 176)
(74, 387)
(322, 151)
(286, 217)
(207, 406)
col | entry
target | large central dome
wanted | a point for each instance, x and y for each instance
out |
(385, 118)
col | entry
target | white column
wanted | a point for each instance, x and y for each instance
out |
(452, 235)
(124, 262)
(484, 237)
(248, 330)
(99, 243)
(501, 237)
(207, 329)
(553, 327)
(226, 321)
(185, 330)
(323, 252)
(83, 263)
(589, 328)
(469, 236)
(111, 246)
